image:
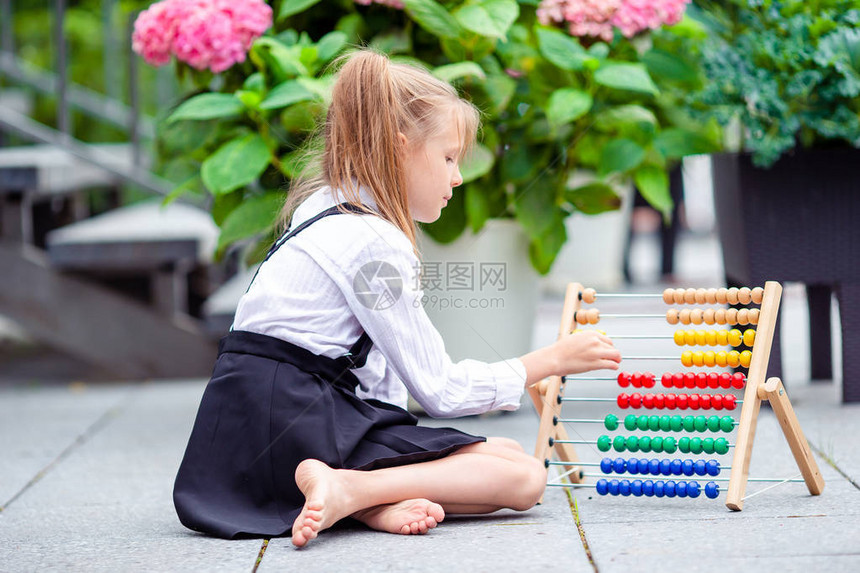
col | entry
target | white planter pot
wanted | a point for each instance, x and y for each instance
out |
(593, 254)
(490, 318)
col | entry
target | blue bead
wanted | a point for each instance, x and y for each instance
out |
(643, 466)
(694, 489)
(713, 468)
(687, 467)
(654, 467)
(666, 467)
(636, 487)
(676, 467)
(624, 487)
(648, 487)
(632, 466)
(700, 468)
(712, 490)
(613, 487)
(602, 486)
(658, 488)
(620, 465)
(606, 465)
(681, 489)
(669, 488)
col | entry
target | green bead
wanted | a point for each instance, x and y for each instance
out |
(642, 423)
(689, 423)
(677, 423)
(669, 445)
(708, 445)
(611, 422)
(727, 424)
(657, 444)
(630, 422)
(603, 443)
(696, 446)
(684, 445)
(618, 444)
(701, 423)
(645, 444)
(721, 446)
(654, 423)
(714, 423)
(665, 424)
(633, 443)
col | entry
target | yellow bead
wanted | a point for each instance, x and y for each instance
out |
(687, 358)
(721, 358)
(680, 338)
(733, 358)
(712, 337)
(710, 358)
(745, 358)
(749, 337)
(701, 337)
(698, 358)
(722, 337)
(690, 337)
(735, 337)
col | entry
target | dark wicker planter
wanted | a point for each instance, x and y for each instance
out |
(798, 221)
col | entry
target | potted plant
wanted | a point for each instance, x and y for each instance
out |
(788, 73)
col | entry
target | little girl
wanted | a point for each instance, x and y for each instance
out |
(303, 422)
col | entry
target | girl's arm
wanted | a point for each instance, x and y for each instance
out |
(571, 354)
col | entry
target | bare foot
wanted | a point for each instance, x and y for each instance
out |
(326, 500)
(410, 516)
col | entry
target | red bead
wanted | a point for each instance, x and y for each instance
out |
(694, 401)
(636, 400)
(623, 400)
(717, 401)
(623, 379)
(678, 379)
(701, 380)
(705, 401)
(649, 381)
(648, 400)
(683, 401)
(659, 401)
(690, 380)
(636, 380)
(725, 380)
(738, 380)
(666, 380)
(713, 380)
(729, 402)
(671, 401)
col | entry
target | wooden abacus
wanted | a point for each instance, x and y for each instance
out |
(548, 398)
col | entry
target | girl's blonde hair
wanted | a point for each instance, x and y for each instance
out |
(374, 99)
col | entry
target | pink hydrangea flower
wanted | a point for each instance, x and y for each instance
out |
(213, 34)
(599, 18)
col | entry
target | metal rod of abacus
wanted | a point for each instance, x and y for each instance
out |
(651, 357)
(738, 402)
(703, 478)
(566, 378)
(594, 442)
(640, 336)
(593, 421)
(632, 316)
(627, 295)
(597, 465)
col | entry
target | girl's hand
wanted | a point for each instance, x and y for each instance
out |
(572, 354)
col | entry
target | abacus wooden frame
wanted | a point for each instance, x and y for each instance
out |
(546, 396)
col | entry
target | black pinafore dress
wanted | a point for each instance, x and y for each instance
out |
(271, 404)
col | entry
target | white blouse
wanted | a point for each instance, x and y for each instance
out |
(307, 293)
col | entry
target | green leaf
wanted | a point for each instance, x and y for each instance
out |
(624, 115)
(620, 155)
(285, 94)
(477, 207)
(394, 42)
(451, 223)
(567, 104)
(535, 203)
(490, 18)
(235, 163)
(561, 49)
(223, 205)
(624, 76)
(653, 183)
(207, 106)
(330, 44)
(451, 72)
(284, 61)
(320, 87)
(290, 7)
(593, 198)
(665, 65)
(677, 143)
(293, 163)
(477, 164)
(544, 249)
(431, 16)
(255, 83)
(254, 216)
(500, 89)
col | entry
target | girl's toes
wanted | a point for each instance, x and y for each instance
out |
(405, 530)
(431, 522)
(422, 527)
(414, 527)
